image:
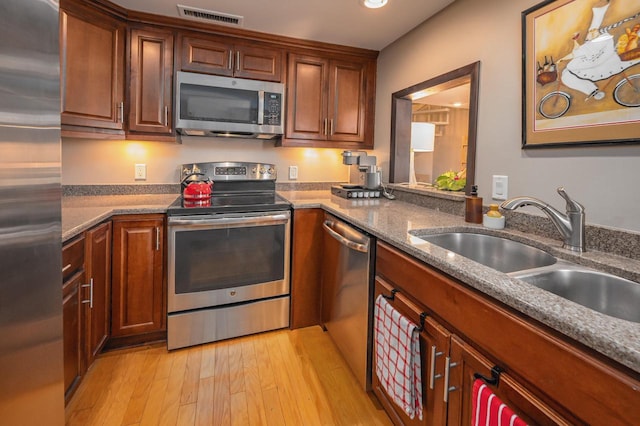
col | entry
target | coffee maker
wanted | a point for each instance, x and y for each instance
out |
(365, 178)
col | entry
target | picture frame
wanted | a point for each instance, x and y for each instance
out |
(580, 73)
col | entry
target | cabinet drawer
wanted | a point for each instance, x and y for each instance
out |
(72, 257)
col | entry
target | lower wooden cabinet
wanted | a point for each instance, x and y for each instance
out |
(96, 296)
(138, 282)
(546, 378)
(73, 277)
(306, 267)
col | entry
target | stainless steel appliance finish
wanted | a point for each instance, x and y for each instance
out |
(228, 258)
(31, 366)
(347, 294)
(209, 105)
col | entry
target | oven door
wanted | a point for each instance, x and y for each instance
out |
(217, 260)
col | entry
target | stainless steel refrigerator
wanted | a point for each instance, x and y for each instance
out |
(31, 365)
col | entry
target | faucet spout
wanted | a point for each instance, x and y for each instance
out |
(570, 225)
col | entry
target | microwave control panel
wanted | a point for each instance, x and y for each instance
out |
(272, 108)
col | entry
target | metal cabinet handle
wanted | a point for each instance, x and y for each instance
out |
(238, 60)
(325, 126)
(331, 127)
(166, 115)
(65, 268)
(121, 112)
(230, 66)
(328, 226)
(90, 285)
(432, 367)
(448, 365)
(157, 238)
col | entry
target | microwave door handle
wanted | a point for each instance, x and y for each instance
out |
(261, 107)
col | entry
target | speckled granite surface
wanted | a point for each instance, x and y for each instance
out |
(81, 213)
(397, 223)
(400, 223)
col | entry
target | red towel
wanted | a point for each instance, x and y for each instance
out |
(488, 410)
(398, 358)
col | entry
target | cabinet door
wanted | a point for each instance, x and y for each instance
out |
(347, 101)
(465, 362)
(71, 332)
(209, 56)
(258, 63)
(97, 297)
(307, 98)
(138, 293)
(306, 267)
(92, 71)
(434, 347)
(150, 86)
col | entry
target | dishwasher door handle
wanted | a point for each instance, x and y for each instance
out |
(329, 227)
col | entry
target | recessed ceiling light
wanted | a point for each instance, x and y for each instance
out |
(374, 4)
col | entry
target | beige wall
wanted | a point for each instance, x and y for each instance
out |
(112, 162)
(604, 179)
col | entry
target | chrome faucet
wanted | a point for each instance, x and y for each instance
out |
(570, 225)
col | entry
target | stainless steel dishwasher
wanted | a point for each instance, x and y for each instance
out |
(347, 293)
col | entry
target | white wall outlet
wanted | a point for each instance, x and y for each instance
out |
(500, 187)
(140, 172)
(293, 172)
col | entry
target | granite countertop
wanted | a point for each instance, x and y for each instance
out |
(80, 213)
(396, 222)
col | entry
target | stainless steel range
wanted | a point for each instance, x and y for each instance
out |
(228, 255)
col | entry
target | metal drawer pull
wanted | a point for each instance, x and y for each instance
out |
(495, 376)
(238, 60)
(432, 368)
(66, 267)
(230, 59)
(90, 285)
(157, 239)
(121, 112)
(166, 115)
(448, 365)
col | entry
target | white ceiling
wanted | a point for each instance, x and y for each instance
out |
(344, 22)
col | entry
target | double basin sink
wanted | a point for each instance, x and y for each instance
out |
(602, 292)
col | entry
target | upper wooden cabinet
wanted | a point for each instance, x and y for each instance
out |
(330, 102)
(150, 82)
(228, 57)
(92, 72)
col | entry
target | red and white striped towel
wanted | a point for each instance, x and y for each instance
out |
(398, 357)
(489, 410)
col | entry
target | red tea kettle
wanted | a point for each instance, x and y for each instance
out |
(195, 190)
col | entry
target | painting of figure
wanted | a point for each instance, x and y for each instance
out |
(581, 72)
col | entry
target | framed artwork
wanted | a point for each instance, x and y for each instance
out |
(581, 73)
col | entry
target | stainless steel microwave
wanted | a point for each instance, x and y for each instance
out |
(208, 105)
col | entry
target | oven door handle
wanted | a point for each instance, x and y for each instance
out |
(224, 222)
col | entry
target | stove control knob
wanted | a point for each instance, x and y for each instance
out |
(254, 170)
(262, 170)
(271, 171)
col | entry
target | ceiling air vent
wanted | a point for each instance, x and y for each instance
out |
(209, 16)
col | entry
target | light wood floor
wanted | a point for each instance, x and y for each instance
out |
(277, 378)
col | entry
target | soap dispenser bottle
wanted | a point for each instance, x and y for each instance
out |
(473, 206)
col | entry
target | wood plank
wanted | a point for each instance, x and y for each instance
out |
(191, 382)
(239, 409)
(187, 415)
(221, 388)
(151, 414)
(204, 406)
(172, 396)
(138, 399)
(236, 373)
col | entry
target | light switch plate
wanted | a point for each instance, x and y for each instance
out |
(500, 187)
